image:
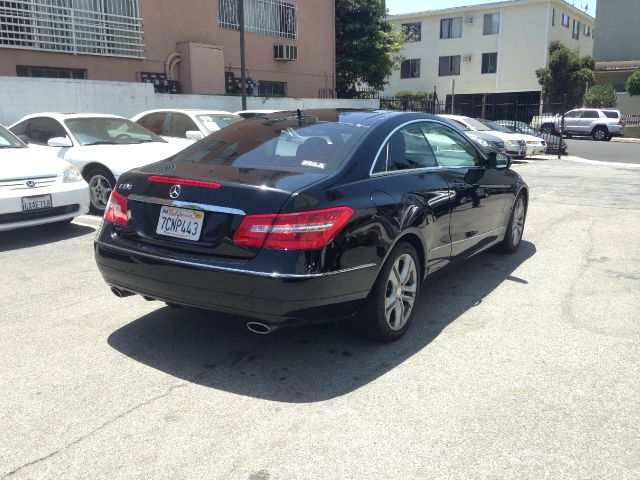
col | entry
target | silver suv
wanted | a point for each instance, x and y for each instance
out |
(598, 123)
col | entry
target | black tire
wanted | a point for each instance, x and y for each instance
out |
(511, 241)
(101, 181)
(600, 134)
(372, 321)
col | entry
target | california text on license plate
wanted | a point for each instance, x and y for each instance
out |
(36, 203)
(180, 223)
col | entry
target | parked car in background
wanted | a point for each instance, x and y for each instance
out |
(552, 141)
(346, 225)
(101, 146)
(514, 143)
(36, 188)
(185, 123)
(484, 140)
(246, 114)
(535, 145)
(601, 124)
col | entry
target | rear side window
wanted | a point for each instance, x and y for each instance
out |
(590, 114)
(611, 114)
(153, 122)
(406, 149)
(20, 129)
(287, 144)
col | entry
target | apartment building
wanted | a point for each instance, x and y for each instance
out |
(187, 47)
(490, 51)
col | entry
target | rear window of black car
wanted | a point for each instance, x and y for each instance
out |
(288, 143)
(610, 114)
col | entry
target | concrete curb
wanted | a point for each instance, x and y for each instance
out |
(625, 140)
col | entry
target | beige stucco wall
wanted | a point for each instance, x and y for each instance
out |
(168, 22)
(525, 32)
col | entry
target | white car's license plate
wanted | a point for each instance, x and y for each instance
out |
(40, 202)
(180, 223)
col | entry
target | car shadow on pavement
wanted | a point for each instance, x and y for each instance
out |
(310, 363)
(40, 235)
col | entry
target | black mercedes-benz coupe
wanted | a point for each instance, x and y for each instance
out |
(299, 217)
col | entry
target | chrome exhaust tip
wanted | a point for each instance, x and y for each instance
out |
(118, 292)
(261, 328)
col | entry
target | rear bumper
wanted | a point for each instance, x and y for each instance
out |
(278, 299)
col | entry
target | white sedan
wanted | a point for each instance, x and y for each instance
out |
(185, 123)
(515, 143)
(101, 146)
(535, 145)
(34, 189)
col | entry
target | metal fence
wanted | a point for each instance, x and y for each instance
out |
(528, 113)
(265, 17)
(92, 27)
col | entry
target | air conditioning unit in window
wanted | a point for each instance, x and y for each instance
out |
(285, 53)
(466, 58)
(468, 19)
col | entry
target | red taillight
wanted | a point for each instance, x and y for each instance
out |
(116, 211)
(183, 181)
(292, 231)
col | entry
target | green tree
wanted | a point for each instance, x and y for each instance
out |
(633, 84)
(367, 47)
(601, 96)
(566, 73)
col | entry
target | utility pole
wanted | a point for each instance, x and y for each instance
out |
(243, 77)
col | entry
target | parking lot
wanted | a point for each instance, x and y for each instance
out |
(522, 366)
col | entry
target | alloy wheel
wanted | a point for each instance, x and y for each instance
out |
(517, 225)
(400, 292)
(100, 189)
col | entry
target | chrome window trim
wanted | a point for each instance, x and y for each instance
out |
(206, 266)
(189, 205)
(423, 169)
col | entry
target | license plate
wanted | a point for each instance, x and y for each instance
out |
(180, 223)
(40, 202)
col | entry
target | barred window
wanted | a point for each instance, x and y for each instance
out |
(91, 27)
(265, 17)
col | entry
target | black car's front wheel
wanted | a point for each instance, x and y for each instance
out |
(391, 304)
(515, 228)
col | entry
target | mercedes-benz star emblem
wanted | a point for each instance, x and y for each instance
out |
(175, 191)
(31, 184)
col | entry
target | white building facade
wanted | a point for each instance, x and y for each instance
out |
(491, 51)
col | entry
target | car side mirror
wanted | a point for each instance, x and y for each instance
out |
(194, 135)
(60, 142)
(502, 161)
(499, 161)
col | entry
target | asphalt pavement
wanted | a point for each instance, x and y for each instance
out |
(521, 366)
(585, 147)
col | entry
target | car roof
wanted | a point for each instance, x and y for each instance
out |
(363, 117)
(193, 111)
(66, 116)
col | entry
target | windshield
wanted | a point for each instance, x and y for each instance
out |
(287, 144)
(214, 122)
(109, 131)
(496, 126)
(9, 140)
(476, 125)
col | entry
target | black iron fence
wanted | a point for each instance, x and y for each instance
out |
(529, 113)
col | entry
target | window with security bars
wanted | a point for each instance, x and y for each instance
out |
(265, 17)
(90, 27)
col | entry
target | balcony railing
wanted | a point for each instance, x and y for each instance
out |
(275, 18)
(90, 27)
